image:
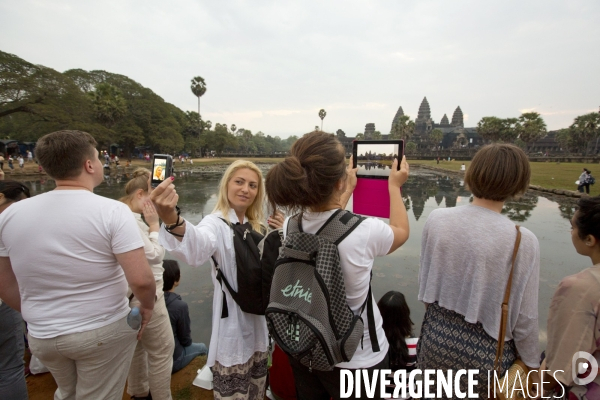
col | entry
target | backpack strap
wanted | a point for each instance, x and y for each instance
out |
(221, 279)
(370, 318)
(339, 226)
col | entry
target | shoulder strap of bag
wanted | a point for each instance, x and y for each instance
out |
(221, 278)
(503, 319)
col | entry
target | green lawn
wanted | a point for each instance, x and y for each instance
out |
(546, 174)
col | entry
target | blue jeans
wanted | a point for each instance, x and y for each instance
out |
(12, 344)
(189, 353)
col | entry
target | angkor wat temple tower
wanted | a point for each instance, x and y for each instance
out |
(423, 122)
(399, 114)
(457, 118)
(455, 133)
(369, 130)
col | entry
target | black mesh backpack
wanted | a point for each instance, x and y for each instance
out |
(255, 257)
(308, 315)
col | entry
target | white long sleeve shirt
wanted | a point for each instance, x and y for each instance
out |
(236, 338)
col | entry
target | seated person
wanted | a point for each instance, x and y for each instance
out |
(185, 350)
(398, 329)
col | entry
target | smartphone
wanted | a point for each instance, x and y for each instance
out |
(162, 168)
(374, 158)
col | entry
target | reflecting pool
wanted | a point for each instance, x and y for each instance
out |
(546, 216)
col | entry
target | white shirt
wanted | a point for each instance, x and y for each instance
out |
(372, 238)
(62, 247)
(155, 253)
(236, 338)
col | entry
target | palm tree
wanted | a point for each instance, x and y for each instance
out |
(531, 128)
(198, 88)
(322, 115)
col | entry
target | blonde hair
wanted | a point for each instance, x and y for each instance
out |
(139, 181)
(254, 213)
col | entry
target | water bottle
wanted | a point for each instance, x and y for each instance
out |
(134, 319)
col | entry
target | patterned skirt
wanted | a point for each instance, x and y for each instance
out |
(241, 382)
(448, 342)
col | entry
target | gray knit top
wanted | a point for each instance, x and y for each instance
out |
(465, 261)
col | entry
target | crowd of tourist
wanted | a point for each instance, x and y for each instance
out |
(73, 265)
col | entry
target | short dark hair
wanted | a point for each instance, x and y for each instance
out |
(14, 190)
(63, 153)
(498, 172)
(307, 178)
(171, 274)
(587, 217)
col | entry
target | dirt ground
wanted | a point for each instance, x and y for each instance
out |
(42, 386)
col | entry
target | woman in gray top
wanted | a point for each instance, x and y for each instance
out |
(465, 262)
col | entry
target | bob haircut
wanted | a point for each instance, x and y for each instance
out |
(498, 172)
(62, 154)
(587, 217)
(254, 213)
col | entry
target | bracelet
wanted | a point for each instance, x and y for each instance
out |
(176, 224)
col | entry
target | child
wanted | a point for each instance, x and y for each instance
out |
(398, 330)
(185, 350)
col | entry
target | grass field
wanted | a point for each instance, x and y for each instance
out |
(546, 174)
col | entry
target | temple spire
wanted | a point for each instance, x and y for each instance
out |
(457, 118)
(399, 114)
(424, 110)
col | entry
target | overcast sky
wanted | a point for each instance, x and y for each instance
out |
(271, 65)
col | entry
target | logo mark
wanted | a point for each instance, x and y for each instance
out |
(583, 361)
(297, 291)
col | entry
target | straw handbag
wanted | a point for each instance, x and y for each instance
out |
(518, 369)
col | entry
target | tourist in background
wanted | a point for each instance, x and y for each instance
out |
(239, 341)
(66, 257)
(185, 350)
(584, 181)
(574, 317)
(463, 277)
(150, 370)
(12, 343)
(398, 329)
(314, 179)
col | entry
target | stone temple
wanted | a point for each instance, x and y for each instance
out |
(455, 133)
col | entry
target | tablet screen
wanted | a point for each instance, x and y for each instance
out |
(374, 160)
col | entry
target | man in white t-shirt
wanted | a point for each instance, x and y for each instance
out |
(66, 258)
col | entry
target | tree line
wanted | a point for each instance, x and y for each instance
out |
(35, 100)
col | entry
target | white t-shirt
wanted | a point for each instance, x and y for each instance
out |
(372, 238)
(62, 247)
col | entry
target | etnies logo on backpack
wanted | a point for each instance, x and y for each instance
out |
(297, 291)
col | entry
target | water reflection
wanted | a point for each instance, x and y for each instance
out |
(547, 216)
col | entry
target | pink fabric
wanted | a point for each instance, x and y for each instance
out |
(371, 197)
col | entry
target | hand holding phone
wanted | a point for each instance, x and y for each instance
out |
(162, 168)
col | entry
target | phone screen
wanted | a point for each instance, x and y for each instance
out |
(161, 168)
(374, 158)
